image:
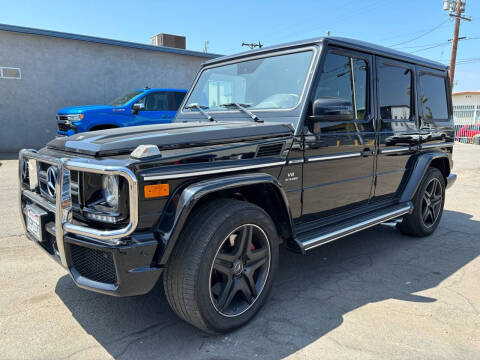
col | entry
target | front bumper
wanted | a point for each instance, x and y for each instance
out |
(116, 262)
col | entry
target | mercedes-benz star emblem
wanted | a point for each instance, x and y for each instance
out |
(51, 180)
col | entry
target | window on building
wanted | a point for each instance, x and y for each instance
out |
(433, 97)
(395, 92)
(345, 78)
(10, 73)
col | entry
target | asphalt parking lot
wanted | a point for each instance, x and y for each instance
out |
(376, 294)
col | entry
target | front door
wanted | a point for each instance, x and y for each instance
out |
(340, 155)
(158, 109)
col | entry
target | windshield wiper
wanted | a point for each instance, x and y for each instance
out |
(200, 109)
(243, 108)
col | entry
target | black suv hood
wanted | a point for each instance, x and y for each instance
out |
(167, 136)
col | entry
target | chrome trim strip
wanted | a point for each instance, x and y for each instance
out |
(445, 144)
(212, 171)
(394, 150)
(39, 200)
(335, 235)
(63, 205)
(332, 157)
(296, 161)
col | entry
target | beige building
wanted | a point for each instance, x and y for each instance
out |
(466, 107)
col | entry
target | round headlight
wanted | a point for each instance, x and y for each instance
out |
(110, 190)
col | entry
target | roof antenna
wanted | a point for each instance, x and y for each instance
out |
(147, 87)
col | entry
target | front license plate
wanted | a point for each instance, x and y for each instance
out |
(34, 224)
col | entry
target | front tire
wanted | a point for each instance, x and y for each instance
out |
(221, 270)
(428, 206)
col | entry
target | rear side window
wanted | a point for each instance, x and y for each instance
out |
(176, 100)
(433, 96)
(395, 92)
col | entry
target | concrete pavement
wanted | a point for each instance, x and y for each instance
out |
(374, 295)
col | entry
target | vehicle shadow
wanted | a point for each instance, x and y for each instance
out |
(310, 297)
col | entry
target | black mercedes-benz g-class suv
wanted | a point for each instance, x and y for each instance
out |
(299, 144)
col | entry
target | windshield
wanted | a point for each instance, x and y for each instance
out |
(274, 82)
(124, 99)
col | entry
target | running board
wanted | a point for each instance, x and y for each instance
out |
(316, 237)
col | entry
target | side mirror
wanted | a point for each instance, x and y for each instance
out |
(332, 109)
(137, 107)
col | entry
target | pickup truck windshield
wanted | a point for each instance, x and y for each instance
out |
(124, 99)
(274, 82)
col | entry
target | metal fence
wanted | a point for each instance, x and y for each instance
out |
(467, 133)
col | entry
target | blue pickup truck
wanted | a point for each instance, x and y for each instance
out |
(139, 107)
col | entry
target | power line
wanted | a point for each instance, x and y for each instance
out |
(441, 44)
(422, 35)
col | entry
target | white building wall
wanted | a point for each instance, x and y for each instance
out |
(466, 108)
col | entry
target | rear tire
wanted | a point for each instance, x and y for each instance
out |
(428, 205)
(222, 268)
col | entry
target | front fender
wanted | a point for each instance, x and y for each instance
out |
(421, 166)
(181, 205)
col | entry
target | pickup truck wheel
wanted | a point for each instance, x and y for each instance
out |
(428, 206)
(221, 270)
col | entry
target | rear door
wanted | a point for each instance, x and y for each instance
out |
(398, 131)
(339, 155)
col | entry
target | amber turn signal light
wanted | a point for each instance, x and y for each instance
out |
(157, 190)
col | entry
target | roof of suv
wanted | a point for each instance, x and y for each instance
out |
(147, 89)
(340, 41)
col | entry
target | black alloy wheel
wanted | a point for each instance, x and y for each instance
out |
(239, 270)
(432, 202)
(428, 205)
(223, 265)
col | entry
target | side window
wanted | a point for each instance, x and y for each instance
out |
(361, 87)
(395, 92)
(433, 96)
(176, 99)
(157, 101)
(345, 78)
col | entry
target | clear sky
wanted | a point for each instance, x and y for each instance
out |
(419, 26)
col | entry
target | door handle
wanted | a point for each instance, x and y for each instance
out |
(367, 152)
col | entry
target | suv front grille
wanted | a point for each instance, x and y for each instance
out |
(43, 181)
(96, 265)
(63, 127)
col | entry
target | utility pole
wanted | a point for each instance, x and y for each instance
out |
(253, 45)
(456, 8)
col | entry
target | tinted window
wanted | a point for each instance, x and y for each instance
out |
(157, 101)
(337, 79)
(361, 86)
(176, 100)
(433, 97)
(395, 92)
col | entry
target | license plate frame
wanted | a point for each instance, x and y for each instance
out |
(34, 222)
